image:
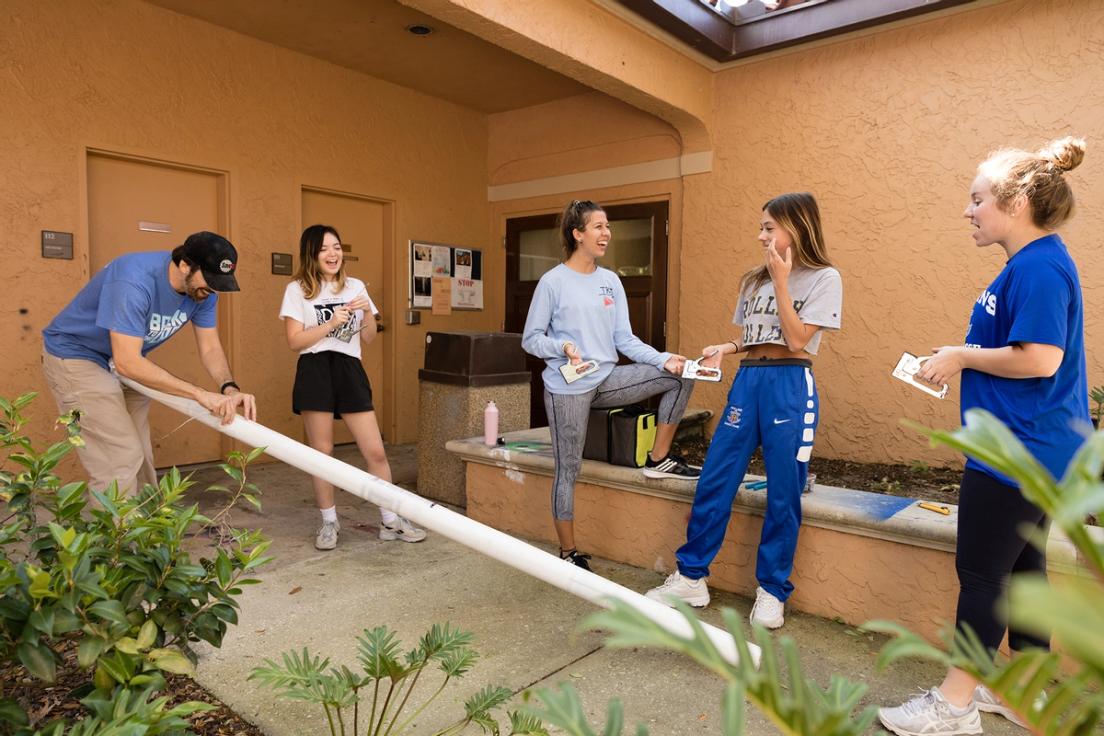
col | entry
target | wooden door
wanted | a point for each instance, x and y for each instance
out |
(637, 253)
(138, 205)
(360, 222)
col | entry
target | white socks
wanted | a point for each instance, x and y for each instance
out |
(329, 516)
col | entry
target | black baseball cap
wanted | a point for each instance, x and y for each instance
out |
(216, 257)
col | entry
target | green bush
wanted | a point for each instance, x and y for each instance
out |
(1072, 608)
(1097, 395)
(113, 578)
(387, 680)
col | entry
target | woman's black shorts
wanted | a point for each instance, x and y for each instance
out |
(332, 382)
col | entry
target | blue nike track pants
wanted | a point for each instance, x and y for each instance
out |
(772, 403)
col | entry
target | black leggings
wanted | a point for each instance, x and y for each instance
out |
(990, 548)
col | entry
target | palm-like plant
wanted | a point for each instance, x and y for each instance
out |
(794, 703)
(388, 679)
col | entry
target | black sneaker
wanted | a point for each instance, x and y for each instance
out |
(671, 466)
(684, 461)
(575, 558)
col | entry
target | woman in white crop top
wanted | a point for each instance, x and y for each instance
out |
(327, 315)
(782, 307)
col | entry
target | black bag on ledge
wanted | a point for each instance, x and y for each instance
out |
(622, 436)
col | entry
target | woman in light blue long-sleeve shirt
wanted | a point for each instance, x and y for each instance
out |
(580, 312)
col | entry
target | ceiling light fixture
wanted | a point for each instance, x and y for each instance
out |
(419, 30)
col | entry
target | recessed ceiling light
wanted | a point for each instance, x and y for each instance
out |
(419, 30)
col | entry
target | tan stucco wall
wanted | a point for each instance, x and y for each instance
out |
(129, 77)
(836, 574)
(887, 130)
(582, 133)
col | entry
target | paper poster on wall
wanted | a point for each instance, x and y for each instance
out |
(442, 260)
(463, 264)
(421, 273)
(434, 264)
(442, 295)
(467, 294)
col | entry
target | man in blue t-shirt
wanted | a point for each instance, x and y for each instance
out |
(134, 304)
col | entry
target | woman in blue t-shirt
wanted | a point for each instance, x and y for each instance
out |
(1023, 361)
(580, 314)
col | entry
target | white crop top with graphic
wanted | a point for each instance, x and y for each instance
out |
(317, 311)
(817, 298)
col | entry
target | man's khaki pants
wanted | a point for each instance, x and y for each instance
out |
(114, 421)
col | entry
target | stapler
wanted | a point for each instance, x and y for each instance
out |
(907, 368)
(573, 373)
(694, 369)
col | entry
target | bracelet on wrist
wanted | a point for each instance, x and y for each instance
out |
(228, 384)
(733, 344)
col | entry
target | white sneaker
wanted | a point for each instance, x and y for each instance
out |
(987, 701)
(327, 535)
(931, 715)
(768, 610)
(694, 592)
(401, 529)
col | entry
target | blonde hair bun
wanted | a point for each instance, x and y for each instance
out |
(1065, 153)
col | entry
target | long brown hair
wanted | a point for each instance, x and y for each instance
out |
(309, 274)
(798, 214)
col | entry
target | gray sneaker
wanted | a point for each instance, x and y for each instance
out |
(401, 529)
(930, 714)
(327, 535)
(987, 702)
(677, 585)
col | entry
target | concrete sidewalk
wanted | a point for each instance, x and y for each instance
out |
(526, 631)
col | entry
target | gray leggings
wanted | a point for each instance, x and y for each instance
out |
(568, 415)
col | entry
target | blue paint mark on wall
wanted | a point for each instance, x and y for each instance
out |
(882, 507)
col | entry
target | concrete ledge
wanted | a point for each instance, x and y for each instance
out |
(860, 555)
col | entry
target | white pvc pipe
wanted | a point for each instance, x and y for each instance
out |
(437, 518)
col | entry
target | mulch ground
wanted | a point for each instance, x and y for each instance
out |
(45, 703)
(915, 481)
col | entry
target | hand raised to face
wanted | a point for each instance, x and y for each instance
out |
(778, 267)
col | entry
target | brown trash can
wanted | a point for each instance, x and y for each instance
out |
(463, 371)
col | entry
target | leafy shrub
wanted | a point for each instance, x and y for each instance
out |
(388, 680)
(112, 578)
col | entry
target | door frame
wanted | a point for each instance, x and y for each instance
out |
(659, 208)
(225, 321)
(389, 306)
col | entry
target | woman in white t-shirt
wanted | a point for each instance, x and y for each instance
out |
(324, 311)
(783, 305)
